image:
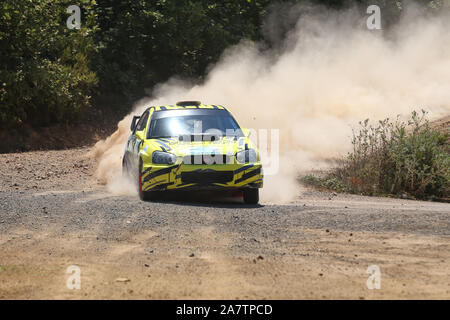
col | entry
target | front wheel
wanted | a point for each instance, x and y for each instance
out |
(251, 196)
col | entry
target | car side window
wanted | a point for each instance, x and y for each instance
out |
(142, 122)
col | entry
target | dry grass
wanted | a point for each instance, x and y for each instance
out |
(400, 158)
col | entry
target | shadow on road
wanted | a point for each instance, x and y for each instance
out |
(217, 199)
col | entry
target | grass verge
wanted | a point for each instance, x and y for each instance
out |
(408, 159)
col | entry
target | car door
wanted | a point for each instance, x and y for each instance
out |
(138, 138)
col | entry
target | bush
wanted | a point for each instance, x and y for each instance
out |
(44, 66)
(394, 158)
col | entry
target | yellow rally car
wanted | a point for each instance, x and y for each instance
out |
(191, 146)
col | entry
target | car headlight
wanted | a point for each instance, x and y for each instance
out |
(159, 157)
(245, 156)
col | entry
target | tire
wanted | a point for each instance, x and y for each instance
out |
(251, 196)
(125, 172)
(145, 195)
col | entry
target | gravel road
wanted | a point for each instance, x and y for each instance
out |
(53, 214)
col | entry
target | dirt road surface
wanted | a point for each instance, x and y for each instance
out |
(53, 214)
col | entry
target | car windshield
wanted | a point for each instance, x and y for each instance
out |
(192, 123)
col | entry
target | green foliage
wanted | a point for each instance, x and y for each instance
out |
(394, 158)
(44, 67)
(328, 182)
(48, 72)
(143, 43)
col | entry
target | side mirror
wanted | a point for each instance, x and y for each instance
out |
(246, 132)
(133, 122)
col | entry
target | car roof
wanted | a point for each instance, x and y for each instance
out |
(178, 107)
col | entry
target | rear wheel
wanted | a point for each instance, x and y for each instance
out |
(125, 171)
(251, 196)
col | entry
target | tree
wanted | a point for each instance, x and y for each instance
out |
(44, 67)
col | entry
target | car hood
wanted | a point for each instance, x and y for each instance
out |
(225, 145)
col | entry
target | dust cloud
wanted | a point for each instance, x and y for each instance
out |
(328, 73)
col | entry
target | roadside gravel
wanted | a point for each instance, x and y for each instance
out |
(54, 214)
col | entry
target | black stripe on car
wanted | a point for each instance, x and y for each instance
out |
(243, 168)
(157, 173)
(248, 175)
(146, 170)
(163, 144)
(158, 185)
(161, 186)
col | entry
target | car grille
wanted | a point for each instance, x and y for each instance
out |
(206, 177)
(208, 159)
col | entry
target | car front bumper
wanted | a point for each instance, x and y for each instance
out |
(202, 177)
